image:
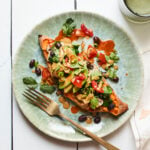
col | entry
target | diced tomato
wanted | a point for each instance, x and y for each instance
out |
(100, 90)
(92, 52)
(78, 80)
(102, 59)
(81, 76)
(95, 87)
(88, 32)
(77, 83)
(94, 84)
(45, 74)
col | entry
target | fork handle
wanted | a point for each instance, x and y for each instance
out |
(93, 136)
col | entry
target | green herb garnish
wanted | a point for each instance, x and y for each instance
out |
(112, 73)
(29, 81)
(114, 57)
(76, 49)
(53, 59)
(106, 103)
(95, 75)
(36, 64)
(68, 27)
(61, 74)
(47, 88)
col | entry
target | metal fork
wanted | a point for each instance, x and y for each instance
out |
(52, 108)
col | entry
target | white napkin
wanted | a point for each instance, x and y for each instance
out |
(140, 120)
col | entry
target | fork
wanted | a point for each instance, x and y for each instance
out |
(52, 109)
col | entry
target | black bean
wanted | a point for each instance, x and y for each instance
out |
(111, 106)
(97, 119)
(39, 35)
(116, 79)
(32, 63)
(52, 54)
(82, 118)
(89, 65)
(38, 71)
(59, 92)
(58, 45)
(96, 39)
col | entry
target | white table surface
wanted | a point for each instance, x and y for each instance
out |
(25, 15)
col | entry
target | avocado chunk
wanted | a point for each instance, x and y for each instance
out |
(68, 88)
(95, 75)
(67, 81)
(75, 89)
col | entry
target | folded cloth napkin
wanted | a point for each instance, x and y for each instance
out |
(140, 121)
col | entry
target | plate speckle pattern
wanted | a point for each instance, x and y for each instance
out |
(128, 89)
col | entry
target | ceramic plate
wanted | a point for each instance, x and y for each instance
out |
(128, 89)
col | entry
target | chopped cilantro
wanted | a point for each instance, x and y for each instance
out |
(106, 103)
(112, 73)
(114, 57)
(76, 49)
(53, 59)
(61, 74)
(68, 27)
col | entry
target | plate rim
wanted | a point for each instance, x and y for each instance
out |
(139, 53)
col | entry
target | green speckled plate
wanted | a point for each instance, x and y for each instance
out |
(128, 89)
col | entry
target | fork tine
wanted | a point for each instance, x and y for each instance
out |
(36, 99)
(48, 99)
(37, 96)
(34, 102)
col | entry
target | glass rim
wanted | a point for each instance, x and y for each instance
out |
(136, 14)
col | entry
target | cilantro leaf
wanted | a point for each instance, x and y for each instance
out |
(112, 73)
(106, 103)
(76, 49)
(68, 27)
(114, 57)
(53, 59)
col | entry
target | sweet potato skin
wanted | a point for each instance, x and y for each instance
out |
(120, 107)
